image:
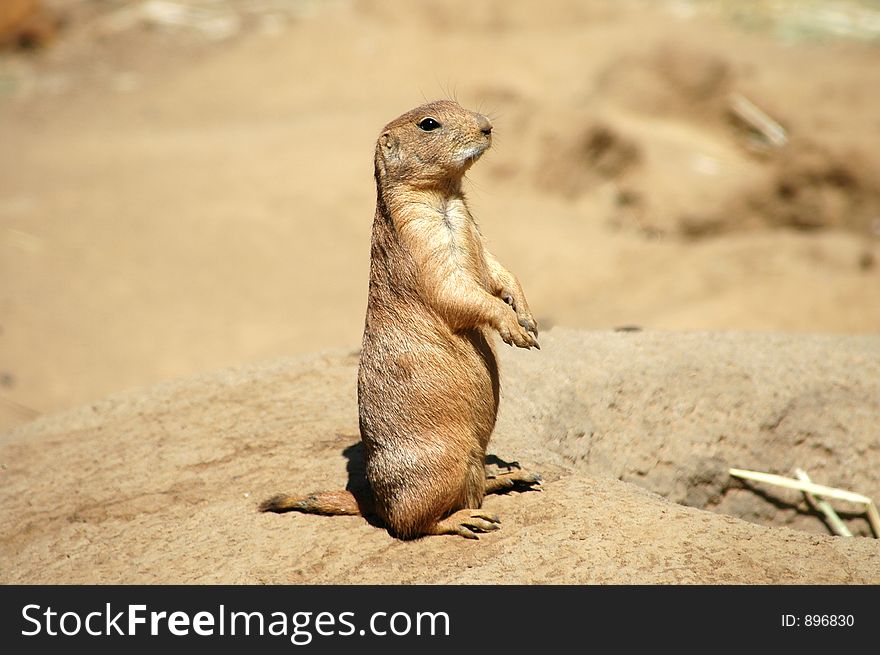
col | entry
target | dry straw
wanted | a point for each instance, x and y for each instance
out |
(816, 490)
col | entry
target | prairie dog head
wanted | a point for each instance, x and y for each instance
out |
(431, 145)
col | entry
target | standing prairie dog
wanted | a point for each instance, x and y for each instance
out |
(428, 381)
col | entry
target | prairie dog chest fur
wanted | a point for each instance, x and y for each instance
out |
(443, 227)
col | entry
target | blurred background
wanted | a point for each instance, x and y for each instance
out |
(187, 184)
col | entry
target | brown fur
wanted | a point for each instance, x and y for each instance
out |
(428, 384)
(25, 24)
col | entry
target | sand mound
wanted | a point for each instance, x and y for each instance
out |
(658, 125)
(161, 485)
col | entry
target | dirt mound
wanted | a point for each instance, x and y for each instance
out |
(812, 187)
(669, 78)
(676, 421)
(162, 485)
(595, 154)
(703, 169)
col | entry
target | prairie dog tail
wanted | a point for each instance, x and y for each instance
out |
(328, 503)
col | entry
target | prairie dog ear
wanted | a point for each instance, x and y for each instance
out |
(386, 151)
(389, 143)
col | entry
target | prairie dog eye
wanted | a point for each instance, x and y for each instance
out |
(428, 124)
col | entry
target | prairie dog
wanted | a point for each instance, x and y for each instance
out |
(428, 384)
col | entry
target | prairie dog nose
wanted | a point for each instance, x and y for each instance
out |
(484, 124)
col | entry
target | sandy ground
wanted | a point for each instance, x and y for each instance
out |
(175, 200)
(162, 484)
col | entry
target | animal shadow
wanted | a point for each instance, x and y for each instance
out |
(358, 485)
